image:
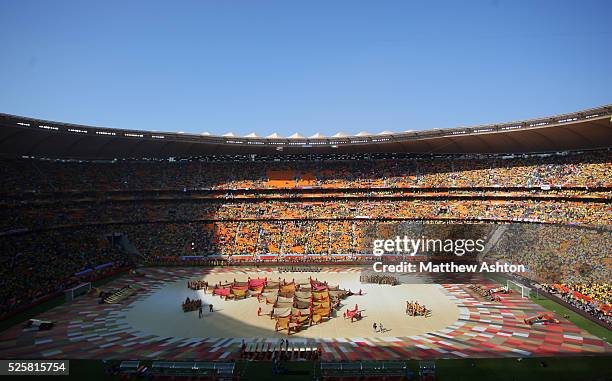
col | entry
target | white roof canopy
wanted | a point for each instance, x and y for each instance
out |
(318, 135)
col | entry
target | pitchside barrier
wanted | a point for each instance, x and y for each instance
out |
(214, 370)
(220, 370)
(364, 368)
(267, 350)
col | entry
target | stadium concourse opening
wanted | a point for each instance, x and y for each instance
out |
(198, 264)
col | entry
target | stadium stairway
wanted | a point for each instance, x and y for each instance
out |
(492, 240)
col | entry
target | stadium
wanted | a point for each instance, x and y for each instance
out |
(171, 255)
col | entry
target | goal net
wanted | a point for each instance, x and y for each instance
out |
(77, 291)
(517, 287)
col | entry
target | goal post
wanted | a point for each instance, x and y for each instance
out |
(517, 287)
(74, 292)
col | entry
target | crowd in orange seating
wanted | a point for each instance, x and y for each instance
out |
(595, 299)
(73, 227)
(367, 171)
(34, 216)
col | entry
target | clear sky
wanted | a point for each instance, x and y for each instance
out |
(307, 66)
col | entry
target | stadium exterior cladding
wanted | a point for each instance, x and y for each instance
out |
(583, 130)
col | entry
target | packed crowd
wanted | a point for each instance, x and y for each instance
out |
(70, 239)
(33, 266)
(557, 254)
(572, 262)
(379, 279)
(583, 169)
(323, 238)
(34, 216)
(38, 264)
(595, 299)
(299, 269)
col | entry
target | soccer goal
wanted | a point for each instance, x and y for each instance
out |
(77, 291)
(517, 287)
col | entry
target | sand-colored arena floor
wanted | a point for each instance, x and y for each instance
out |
(160, 313)
(151, 324)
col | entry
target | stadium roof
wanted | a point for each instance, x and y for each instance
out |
(588, 129)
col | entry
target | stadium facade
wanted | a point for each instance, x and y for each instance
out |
(277, 234)
(582, 130)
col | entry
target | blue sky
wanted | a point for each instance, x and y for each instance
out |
(312, 66)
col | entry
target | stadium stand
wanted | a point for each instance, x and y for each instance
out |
(59, 213)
